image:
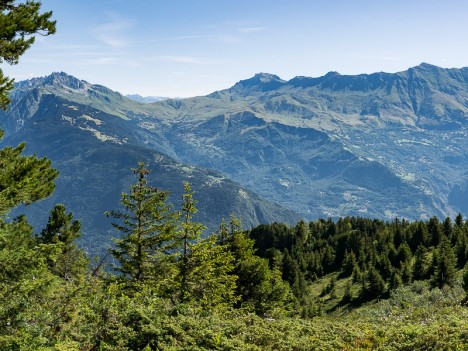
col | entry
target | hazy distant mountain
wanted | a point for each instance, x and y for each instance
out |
(146, 99)
(379, 145)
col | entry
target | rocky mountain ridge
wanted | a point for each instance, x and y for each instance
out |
(412, 124)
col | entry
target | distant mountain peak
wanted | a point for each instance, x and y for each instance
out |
(261, 81)
(426, 67)
(60, 79)
(332, 74)
(266, 77)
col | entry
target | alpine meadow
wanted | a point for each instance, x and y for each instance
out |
(323, 213)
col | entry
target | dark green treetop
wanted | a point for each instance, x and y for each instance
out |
(68, 262)
(149, 230)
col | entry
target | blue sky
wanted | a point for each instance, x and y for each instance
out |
(182, 48)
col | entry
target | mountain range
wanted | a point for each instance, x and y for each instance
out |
(379, 145)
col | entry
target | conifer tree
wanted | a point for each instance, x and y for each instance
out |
(421, 235)
(23, 179)
(385, 267)
(445, 265)
(149, 236)
(69, 262)
(189, 232)
(404, 255)
(407, 272)
(209, 279)
(349, 261)
(357, 274)
(435, 231)
(19, 21)
(26, 283)
(373, 285)
(395, 280)
(465, 281)
(447, 228)
(420, 264)
(459, 220)
(30, 294)
(257, 285)
(461, 247)
(204, 267)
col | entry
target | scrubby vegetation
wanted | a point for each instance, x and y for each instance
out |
(348, 284)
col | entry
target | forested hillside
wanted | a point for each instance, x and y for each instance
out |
(367, 258)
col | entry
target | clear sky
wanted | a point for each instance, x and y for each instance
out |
(181, 48)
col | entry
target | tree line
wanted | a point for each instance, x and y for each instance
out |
(379, 255)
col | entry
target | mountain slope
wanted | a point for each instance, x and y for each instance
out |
(407, 130)
(378, 145)
(95, 151)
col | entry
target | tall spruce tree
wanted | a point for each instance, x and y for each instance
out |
(23, 179)
(204, 267)
(375, 284)
(445, 263)
(189, 232)
(421, 264)
(149, 232)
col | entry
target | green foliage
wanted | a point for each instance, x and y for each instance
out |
(209, 280)
(389, 254)
(348, 294)
(190, 231)
(148, 226)
(465, 279)
(70, 262)
(18, 22)
(415, 317)
(421, 264)
(216, 293)
(372, 284)
(444, 265)
(35, 302)
(258, 286)
(23, 179)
